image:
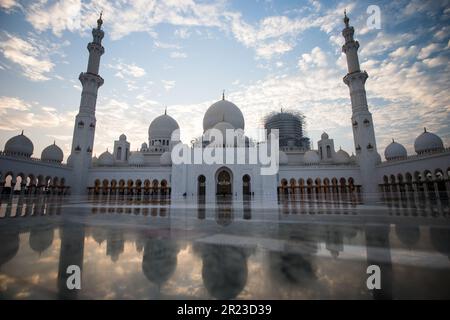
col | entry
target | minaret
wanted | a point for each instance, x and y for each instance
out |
(363, 130)
(84, 131)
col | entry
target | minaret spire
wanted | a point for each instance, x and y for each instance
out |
(346, 19)
(223, 94)
(84, 131)
(100, 21)
(362, 123)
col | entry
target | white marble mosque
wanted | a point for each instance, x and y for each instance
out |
(149, 170)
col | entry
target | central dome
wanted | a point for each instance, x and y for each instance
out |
(162, 127)
(223, 111)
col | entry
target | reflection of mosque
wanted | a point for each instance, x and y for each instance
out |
(225, 266)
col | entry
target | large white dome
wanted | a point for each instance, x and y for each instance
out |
(52, 153)
(342, 157)
(19, 145)
(428, 142)
(223, 111)
(162, 127)
(395, 151)
(311, 157)
(106, 159)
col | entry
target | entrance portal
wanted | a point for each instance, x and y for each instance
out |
(224, 182)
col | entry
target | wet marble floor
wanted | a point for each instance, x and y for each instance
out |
(251, 249)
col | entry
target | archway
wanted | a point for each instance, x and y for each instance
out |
(201, 180)
(224, 182)
(246, 187)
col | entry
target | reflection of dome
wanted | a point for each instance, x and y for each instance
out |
(166, 159)
(291, 269)
(342, 157)
(162, 127)
(136, 159)
(428, 142)
(99, 234)
(160, 260)
(324, 136)
(311, 157)
(19, 145)
(9, 246)
(41, 239)
(224, 270)
(223, 111)
(395, 151)
(52, 153)
(408, 235)
(106, 159)
(283, 158)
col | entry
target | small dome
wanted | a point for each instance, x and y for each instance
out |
(94, 160)
(52, 153)
(395, 151)
(144, 146)
(123, 137)
(106, 159)
(311, 157)
(324, 136)
(283, 158)
(342, 157)
(19, 145)
(166, 159)
(162, 127)
(136, 159)
(428, 142)
(353, 158)
(223, 111)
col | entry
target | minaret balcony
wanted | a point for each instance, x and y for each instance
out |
(357, 75)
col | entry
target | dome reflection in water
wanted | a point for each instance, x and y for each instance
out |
(150, 247)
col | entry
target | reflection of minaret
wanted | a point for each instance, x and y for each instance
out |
(363, 130)
(83, 135)
(115, 244)
(379, 253)
(334, 241)
(71, 253)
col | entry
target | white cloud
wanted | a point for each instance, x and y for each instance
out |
(428, 50)
(9, 5)
(168, 84)
(30, 57)
(317, 58)
(182, 33)
(178, 55)
(436, 62)
(127, 70)
(12, 103)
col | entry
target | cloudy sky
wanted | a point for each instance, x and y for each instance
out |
(183, 53)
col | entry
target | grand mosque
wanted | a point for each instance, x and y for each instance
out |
(303, 169)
